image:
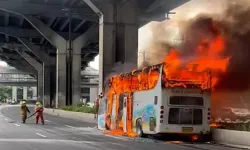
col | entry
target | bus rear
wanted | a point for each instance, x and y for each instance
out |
(185, 104)
(185, 111)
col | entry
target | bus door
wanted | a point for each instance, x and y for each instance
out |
(113, 114)
(129, 114)
(125, 114)
(101, 113)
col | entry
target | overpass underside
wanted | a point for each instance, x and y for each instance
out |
(55, 40)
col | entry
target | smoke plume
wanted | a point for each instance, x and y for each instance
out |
(234, 26)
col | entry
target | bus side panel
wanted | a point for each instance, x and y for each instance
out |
(144, 106)
(101, 113)
(145, 109)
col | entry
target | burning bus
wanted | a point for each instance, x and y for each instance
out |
(157, 100)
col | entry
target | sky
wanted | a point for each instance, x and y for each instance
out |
(188, 10)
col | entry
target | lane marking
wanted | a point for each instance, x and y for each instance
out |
(70, 126)
(6, 119)
(46, 141)
(41, 135)
(17, 125)
(47, 120)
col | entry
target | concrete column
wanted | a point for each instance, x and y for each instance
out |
(62, 45)
(40, 73)
(61, 75)
(14, 92)
(40, 84)
(118, 37)
(78, 44)
(76, 71)
(34, 92)
(25, 92)
(46, 86)
(53, 85)
(76, 76)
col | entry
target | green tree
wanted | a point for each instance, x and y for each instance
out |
(5, 92)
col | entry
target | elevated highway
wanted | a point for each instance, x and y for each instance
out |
(55, 40)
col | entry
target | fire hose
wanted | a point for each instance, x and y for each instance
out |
(33, 114)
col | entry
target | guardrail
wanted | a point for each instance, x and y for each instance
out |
(233, 137)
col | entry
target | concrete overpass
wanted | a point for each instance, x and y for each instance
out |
(23, 80)
(55, 40)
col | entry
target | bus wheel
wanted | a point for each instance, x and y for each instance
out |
(139, 131)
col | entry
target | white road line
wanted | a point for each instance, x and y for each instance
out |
(70, 126)
(41, 135)
(47, 121)
(6, 119)
(17, 125)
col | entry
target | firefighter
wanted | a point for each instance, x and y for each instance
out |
(39, 112)
(96, 106)
(24, 110)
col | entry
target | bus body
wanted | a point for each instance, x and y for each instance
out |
(157, 110)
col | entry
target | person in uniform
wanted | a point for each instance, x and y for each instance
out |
(24, 111)
(39, 112)
(97, 106)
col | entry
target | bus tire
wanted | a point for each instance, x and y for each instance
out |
(139, 131)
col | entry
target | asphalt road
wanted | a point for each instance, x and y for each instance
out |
(64, 134)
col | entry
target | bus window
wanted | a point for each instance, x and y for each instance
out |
(186, 100)
(173, 116)
(185, 116)
(197, 116)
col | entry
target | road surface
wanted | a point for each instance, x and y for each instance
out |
(67, 134)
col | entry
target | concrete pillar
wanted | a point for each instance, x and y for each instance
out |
(25, 92)
(78, 44)
(53, 85)
(14, 93)
(40, 84)
(76, 72)
(61, 75)
(40, 74)
(118, 37)
(76, 77)
(34, 92)
(46, 85)
(62, 45)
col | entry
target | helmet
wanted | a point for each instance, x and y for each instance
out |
(23, 102)
(37, 103)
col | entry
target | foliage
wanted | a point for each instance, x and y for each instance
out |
(238, 127)
(80, 104)
(79, 108)
(5, 92)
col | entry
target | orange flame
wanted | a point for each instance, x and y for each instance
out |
(208, 56)
(180, 69)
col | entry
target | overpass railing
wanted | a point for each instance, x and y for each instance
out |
(17, 80)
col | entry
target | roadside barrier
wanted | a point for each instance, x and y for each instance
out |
(72, 115)
(224, 136)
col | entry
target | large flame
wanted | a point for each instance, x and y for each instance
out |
(208, 56)
(176, 67)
